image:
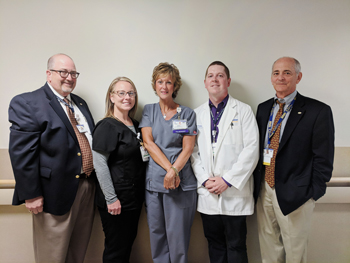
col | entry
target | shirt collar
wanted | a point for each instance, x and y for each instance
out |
(221, 105)
(287, 99)
(57, 94)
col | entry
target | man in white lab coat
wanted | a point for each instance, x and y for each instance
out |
(223, 160)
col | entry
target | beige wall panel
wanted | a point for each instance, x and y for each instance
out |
(329, 239)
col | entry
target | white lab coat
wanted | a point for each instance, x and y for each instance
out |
(237, 153)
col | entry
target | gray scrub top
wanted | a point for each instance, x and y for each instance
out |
(170, 144)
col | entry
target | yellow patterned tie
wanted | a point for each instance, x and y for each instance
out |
(270, 169)
(85, 149)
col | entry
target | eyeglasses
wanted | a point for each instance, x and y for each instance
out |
(64, 73)
(122, 93)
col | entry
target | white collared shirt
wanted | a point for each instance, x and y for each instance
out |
(287, 100)
(77, 112)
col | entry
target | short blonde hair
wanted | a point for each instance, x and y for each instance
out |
(166, 69)
(110, 105)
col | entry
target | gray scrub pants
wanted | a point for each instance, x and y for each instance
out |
(170, 217)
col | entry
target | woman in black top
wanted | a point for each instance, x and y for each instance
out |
(120, 170)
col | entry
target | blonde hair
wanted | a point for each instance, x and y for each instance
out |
(110, 105)
(166, 69)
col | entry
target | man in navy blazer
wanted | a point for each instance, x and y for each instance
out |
(303, 163)
(47, 164)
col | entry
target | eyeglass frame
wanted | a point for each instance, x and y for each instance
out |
(117, 92)
(61, 71)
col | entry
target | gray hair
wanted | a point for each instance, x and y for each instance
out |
(297, 65)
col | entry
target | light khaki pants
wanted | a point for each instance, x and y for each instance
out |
(60, 239)
(282, 238)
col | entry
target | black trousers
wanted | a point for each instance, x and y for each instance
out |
(226, 237)
(120, 233)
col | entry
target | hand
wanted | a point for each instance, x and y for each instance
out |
(216, 185)
(115, 208)
(171, 181)
(35, 205)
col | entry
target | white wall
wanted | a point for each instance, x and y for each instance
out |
(107, 39)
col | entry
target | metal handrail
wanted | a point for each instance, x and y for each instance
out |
(7, 184)
(334, 182)
(339, 182)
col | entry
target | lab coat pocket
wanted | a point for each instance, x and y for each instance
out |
(233, 135)
(232, 145)
(234, 192)
(203, 191)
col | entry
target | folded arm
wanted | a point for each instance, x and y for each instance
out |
(171, 180)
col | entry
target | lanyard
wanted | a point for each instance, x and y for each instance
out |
(215, 121)
(178, 110)
(65, 103)
(139, 138)
(269, 127)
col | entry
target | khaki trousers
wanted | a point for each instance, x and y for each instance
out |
(60, 239)
(282, 238)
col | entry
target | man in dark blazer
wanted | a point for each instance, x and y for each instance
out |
(294, 166)
(47, 158)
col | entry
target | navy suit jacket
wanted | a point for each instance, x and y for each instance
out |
(304, 160)
(44, 149)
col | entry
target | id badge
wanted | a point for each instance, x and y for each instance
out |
(145, 155)
(81, 128)
(268, 153)
(180, 126)
(77, 116)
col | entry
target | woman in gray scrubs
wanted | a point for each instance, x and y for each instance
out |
(169, 132)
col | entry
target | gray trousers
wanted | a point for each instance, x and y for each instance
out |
(170, 217)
